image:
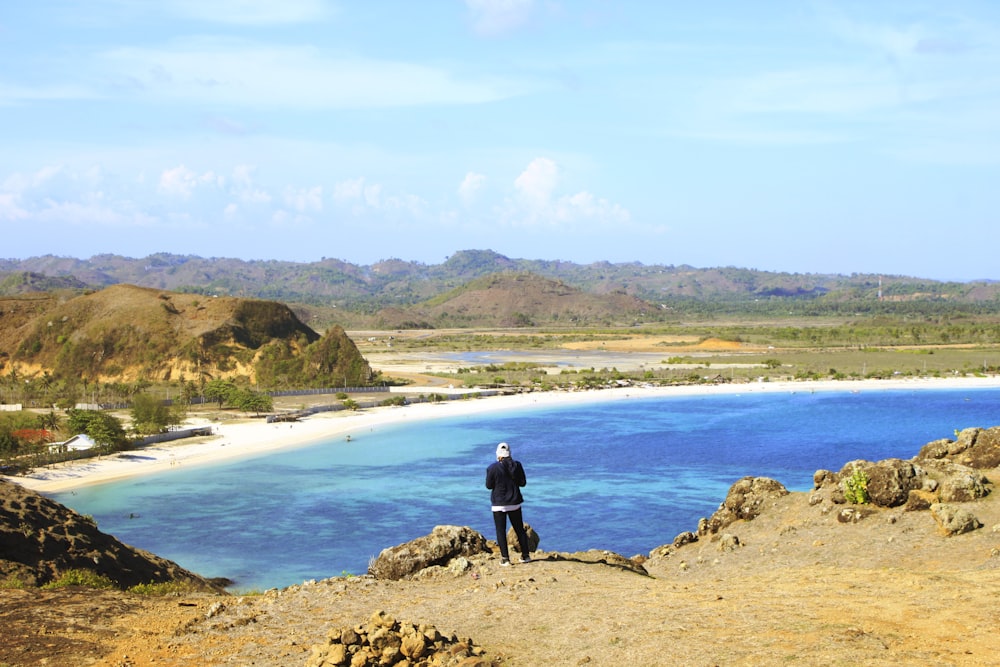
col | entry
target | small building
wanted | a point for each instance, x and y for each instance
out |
(77, 443)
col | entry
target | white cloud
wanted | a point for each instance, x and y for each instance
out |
(364, 198)
(349, 190)
(585, 205)
(537, 182)
(471, 185)
(10, 208)
(355, 191)
(95, 210)
(304, 199)
(537, 203)
(497, 17)
(18, 183)
(372, 195)
(245, 188)
(181, 181)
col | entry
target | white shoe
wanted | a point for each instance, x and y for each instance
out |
(504, 562)
(526, 560)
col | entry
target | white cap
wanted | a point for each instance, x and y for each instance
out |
(503, 450)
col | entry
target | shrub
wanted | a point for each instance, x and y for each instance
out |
(79, 577)
(856, 487)
(394, 400)
(163, 588)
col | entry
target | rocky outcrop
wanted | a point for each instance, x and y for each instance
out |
(686, 537)
(954, 520)
(895, 482)
(957, 483)
(515, 544)
(745, 501)
(40, 540)
(438, 548)
(975, 448)
(386, 641)
(887, 483)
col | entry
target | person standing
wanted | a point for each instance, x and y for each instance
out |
(504, 479)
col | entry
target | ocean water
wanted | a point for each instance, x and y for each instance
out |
(626, 476)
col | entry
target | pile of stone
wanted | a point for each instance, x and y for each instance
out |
(386, 641)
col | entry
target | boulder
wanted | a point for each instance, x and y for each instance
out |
(729, 542)
(823, 478)
(975, 447)
(437, 548)
(515, 544)
(954, 520)
(919, 500)
(745, 501)
(687, 537)
(889, 481)
(957, 483)
(662, 551)
(853, 514)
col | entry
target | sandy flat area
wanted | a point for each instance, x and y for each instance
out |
(251, 438)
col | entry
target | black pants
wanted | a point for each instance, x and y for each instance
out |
(500, 521)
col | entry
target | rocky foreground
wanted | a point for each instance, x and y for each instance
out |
(908, 577)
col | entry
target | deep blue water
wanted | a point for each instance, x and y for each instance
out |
(625, 476)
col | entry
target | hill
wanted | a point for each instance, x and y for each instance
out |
(43, 541)
(359, 292)
(125, 333)
(516, 300)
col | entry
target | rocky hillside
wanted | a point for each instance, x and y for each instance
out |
(125, 333)
(42, 541)
(908, 577)
(518, 300)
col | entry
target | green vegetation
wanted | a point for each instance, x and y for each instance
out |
(104, 429)
(160, 589)
(80, 577)
(151, 415)
(856, 487)
(13, 582)
(394, 400)
(227, 393)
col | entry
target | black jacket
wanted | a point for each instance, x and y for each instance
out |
(504, 478)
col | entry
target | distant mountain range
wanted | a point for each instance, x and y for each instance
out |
(397, 293)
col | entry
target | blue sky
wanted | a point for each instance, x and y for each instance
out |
(783, 135)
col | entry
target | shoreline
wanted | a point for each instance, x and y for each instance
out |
(233, 441)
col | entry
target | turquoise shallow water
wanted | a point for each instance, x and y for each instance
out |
(625, 476)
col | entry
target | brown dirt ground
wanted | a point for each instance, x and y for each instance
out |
(804, 589)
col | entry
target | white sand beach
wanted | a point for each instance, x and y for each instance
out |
(251, 438)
